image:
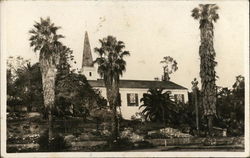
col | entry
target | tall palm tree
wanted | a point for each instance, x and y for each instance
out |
(207, 15)
(111, 65)
(45, 40)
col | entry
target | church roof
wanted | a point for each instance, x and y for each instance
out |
(139, 84)
(87, 59)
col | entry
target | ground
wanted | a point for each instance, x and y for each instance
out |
(24, 130)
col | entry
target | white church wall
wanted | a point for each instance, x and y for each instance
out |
(129, 111)
(89, 72)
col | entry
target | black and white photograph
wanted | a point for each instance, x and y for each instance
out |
(124, 78)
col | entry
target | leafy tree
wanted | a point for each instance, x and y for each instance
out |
(111, 65)
(45, 40)
(29, 86)
(207, 15)
(239, 87)
(13, 99)
(66, 57)
(23, 83)
(158, 107)
(14, 64)
(238, 93)
(74, 96)
(170, 66)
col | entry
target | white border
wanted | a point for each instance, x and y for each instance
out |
(117, 154)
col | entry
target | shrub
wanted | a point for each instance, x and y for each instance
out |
(156, 136)
(121, 144)
(56, 144)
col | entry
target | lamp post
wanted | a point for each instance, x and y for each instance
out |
(195, 92)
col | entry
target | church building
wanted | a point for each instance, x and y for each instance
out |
(131, 91)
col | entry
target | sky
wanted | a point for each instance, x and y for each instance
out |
(149, 29)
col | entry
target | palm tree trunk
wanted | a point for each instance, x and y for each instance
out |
(207, 72)
(114, 96)
(210, 124)
(48, 79)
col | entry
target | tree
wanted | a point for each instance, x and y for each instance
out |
(24, 83)
(239, 87)
(158, 107)
(45, 40)
(230, 107)
(170, 66)
(12, 94)
(16, 63)
(29, 86)
(207, 15)
(74, 96)
(111, 65)
(238, 93)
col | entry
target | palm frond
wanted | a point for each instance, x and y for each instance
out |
(196, 13)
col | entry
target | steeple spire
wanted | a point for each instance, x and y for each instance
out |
(87, 59)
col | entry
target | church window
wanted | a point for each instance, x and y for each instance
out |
(132, 99)
(179, 98)
(90, 74)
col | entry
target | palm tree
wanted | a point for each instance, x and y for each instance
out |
(111, 65)
(44, 39)
(207, 15)
(158, 106)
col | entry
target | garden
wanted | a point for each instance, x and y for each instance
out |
(26, 132)
(51, 107)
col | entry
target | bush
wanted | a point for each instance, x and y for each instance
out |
(156, 136)
(56, 144)
(121, 144)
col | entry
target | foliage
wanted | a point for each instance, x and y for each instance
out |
(170, 66)
(157, 135)
(56, 144)
(30, 83)
(158, 106)
(72, 90)
(44, 38)
(111, 65)
(62, 87)
(75, 97)
(26, 87)
(239, 87)
(230, 107)
(14, 64)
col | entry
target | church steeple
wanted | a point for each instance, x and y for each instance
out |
(88, 69)
(87, 59)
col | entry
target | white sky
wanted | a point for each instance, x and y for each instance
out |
(150, 30)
